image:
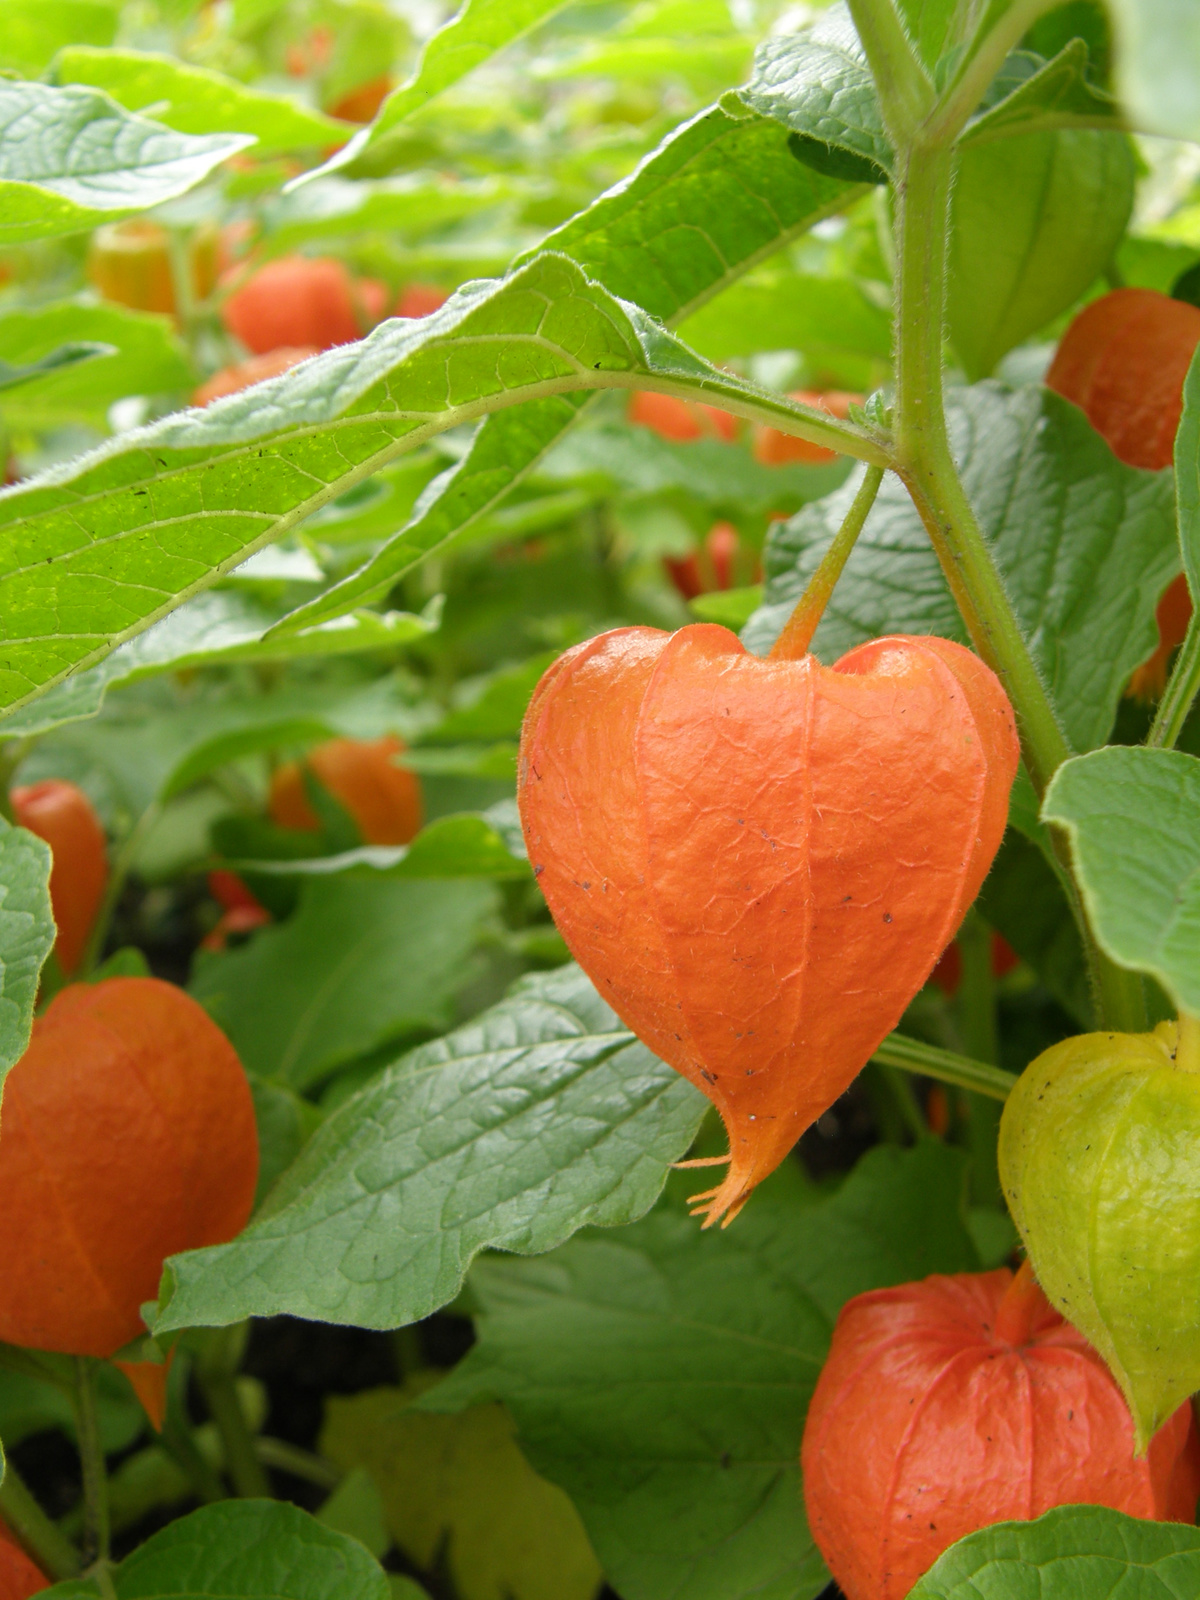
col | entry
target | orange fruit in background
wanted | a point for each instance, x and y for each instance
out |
(680, 420)
(127, 1135)
(19, 1577)
(232, 380)
(776, 449)
(951, 1404)
(62, 815)
(312, 301)
(758, 861)
(361, 103)
(130, 264)
(420, 300)
(384, 799)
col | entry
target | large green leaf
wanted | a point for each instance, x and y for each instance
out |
(818, 84)
(34, 29)
(1085, 545)
(1072, 1553)
(147, 358)
(72, 158)
(476, 31)
(409, 207)
(1133, 817)
(196, 100)
(363, 962)
(458, 846)
(1035, 220)
(1187, 476)
(661, 1375)
(92, 553)
(719, 195)
(822, 317)
(542, 1115)
(26, 936)
(1158, 64)
(240, 1550)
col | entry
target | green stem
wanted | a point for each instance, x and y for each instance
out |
(929, 1061)
(798, 631)
(1180, 693)
(179, 1441)
(964, 94)
(905, 92)
(303, 1464)
(46, 1544)
(216, 1372)
(121, 866)
(902, 1097)
(96, 1528)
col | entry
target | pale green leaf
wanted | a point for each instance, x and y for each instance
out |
(408, 207)
(459, 846)
(147, 358)
(95, 551)
(1048, 94)
(732, 608)
(1085, 545)
(242, 1550)
(1187, 476)
(362, 963)
(1072, 1553)
(1133, 817)
(196, 100)
(31, 31)
(457, 1491)
(661, 1375)
(542, 1115)
(64, 356)
(1158, 64)
(72, 158)
(474, 34)
(1034, 221)
(824, 318)
(26, 936)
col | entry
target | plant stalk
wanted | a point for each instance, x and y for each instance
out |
(930, 1061)
(797, 635)
(96, 1524)
(905, 92)
(35, 1532)
(216, 1372)
(1180, 693)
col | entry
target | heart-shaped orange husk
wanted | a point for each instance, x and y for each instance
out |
(758, 861)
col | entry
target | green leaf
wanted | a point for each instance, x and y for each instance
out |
(1070, 1553)
(26, 936)
(457, 1491)
(492, 708)
(822, 317)
(146, 358)
(363, 962)
(65, 355)
(1035, 220)
(1049, 94)
(285, 1124)
(732, 608)
(410, 206)
(1133, 817)
(474, 34)
(721, 193)
(215, 629)
(242, 1550)
(87, 557)
(1187, 476)
(72, 158)
(34, 29)
(1158, 64)
(195, 100)
(542, 1115)
(461, 846)
(661, 1375)
(355, 1508)
(1085, 545)
(817, 83)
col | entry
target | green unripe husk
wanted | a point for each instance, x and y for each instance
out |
(1100, 1163)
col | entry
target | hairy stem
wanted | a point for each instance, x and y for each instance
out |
(798, 631)
(930, 1061)
(901, 81)
(981, 66)
(1180, 693)
(96, 1528)
(35, 1532)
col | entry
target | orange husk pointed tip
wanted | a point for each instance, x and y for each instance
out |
(148, 1379)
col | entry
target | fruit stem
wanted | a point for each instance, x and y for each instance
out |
(1187, 1051)
(797, 635)
(96, 1525)
(930, 1061)
(1016, 1311)
(35, 1532)
(1181, 691)
(216, 1372)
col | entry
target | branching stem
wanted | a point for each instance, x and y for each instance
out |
(1180, 694)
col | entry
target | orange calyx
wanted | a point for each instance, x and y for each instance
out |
(1019, 1309)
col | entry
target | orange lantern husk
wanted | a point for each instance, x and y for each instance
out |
(62, 815)
(384, 799)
